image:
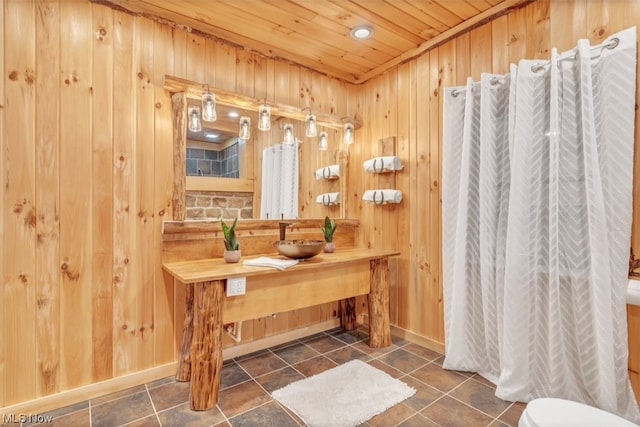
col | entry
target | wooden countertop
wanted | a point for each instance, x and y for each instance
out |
(217, 269)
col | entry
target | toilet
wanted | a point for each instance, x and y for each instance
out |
(551, 412)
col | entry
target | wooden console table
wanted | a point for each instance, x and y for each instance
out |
(323, 278)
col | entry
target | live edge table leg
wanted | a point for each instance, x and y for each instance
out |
(206, 345)
(184, 362)
(379, 328)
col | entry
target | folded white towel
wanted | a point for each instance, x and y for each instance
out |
(328, 172)
(264, 261)
(383, 164)
(382, 196)
(328, 199)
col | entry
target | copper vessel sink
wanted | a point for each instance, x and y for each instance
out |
(299, 249)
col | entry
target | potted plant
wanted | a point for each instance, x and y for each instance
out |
(231, 244)
(328, 229)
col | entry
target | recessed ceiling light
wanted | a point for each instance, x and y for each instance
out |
(362, 32)
(211, 135)
(234, 114)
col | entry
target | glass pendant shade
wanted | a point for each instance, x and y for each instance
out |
(209, 107)
(348, 136)
(311, 126)
(288, 134)
(245, 127)
(323, 142)
(264, 117)
(195, 125)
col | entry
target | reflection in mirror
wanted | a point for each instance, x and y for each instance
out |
(215, 150)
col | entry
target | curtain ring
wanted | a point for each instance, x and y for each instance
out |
(613, 43)
(537, 67)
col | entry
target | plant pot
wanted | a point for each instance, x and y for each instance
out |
(231, 256)
(330, 247)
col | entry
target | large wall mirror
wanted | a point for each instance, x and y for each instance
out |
(214, 162)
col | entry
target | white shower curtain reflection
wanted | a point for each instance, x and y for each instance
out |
(537, 185)
(280, 182)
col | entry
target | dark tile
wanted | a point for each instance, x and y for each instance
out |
(393, 372)
(59, 413)
(418, 420)
(183, 416)
(363, 346)
(121, 411)
(284, 345)
(423, 352)
(279, 379)
(497, 423)
(400, 342)
(150, 421)
(296, 353)
(346, 354)
(270, 414)
(482, 380)
(324, 344)
(392, 416)
(77, 418)
(232, 374)
(351, 337)
(480, 397)
(118, 395)
(425, 395)
(448, 412)
(252, 355)
(262, 364)
(241, 398)
(512, 415)
(439, 378)
(169, 395)
(315, 366)
(403, 360)
(161, 381)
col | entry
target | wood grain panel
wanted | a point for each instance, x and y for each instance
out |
(75, 195)
(47, 202)
(19, 280)
(163, 63)
(124, 197)
(102, 195)
(2, 211)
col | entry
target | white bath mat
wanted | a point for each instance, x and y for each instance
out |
(346, 395)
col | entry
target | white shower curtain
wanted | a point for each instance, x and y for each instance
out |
(280, 181)
(537, 192)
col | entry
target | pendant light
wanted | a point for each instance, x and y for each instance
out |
(195, 125)
(348, 136)
(311, 128)
(245, 127)
(323, 141)
(288, 134)
(264, 117)
(209, 106)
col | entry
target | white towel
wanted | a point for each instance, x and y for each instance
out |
(264, 261)
(383, 164)
(328, 199)
(382, 196)
(328, 172)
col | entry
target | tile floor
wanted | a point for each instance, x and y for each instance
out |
(443, 398)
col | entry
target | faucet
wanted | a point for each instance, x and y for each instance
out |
(283, 229)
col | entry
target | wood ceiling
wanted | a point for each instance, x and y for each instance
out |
(316, 33)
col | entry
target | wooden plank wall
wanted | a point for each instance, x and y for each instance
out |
(86, 167)
(85, 161)
(406, 102)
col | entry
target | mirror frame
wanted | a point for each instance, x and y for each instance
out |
(182, 89)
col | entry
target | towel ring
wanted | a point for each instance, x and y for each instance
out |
(328, 175)
(381, 165)
(326, 200)
(375, 202)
